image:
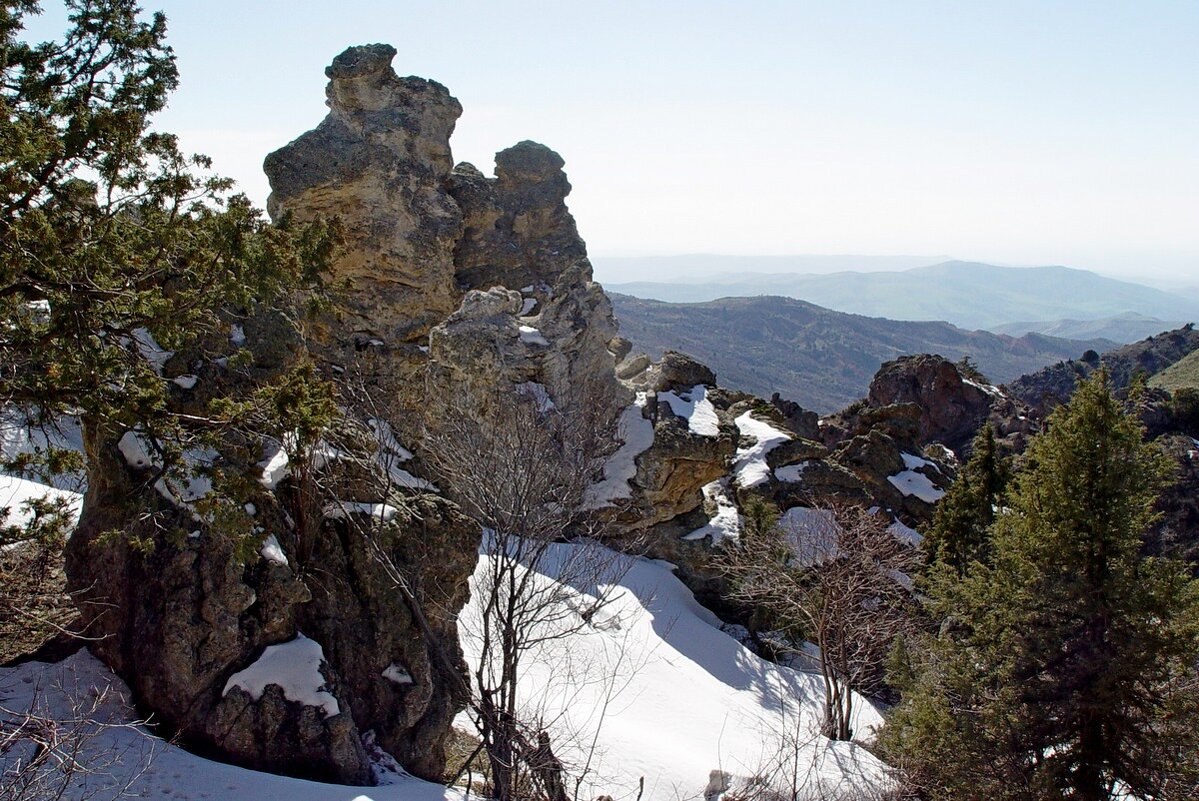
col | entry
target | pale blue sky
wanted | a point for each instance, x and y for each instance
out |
(1017, 132)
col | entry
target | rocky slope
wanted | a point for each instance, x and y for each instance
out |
(820, 358)
(318, 613)
(1183, 374)
(1051, 386)
(711, 450)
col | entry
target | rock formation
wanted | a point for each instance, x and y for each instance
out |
(1046, 389)
(378, 164)
(924, 400)
(446, 282)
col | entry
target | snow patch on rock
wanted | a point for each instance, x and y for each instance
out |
(273, 552)
(295, 668)
(534, 337)
(621, 467)
(340, 510)
(727, 522)
(694, 407)
(791, 473)
(397, 674)
(749, 467)
(274, 464)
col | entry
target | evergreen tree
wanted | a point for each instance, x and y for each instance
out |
(960, 531)
(113, 243)
(1054, 672)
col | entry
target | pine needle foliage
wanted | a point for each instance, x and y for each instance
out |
(110, 237)
(1059, 667)
(117, 248)
(960, 531)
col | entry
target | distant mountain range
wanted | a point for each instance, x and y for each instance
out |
(1127, 327)
(698, 267)
(821, 358)
(966, 294)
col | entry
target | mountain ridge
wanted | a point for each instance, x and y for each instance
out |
(778, 344)
(971, 295)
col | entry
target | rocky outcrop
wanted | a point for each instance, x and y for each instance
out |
(179, 604)
(421, 235)
(518, 231)
(685, 455)
(519, 235)
(275, 734)
(924, 400)
(445, 282)
(408, 682)
(379, 164)
(176, 615)
(951, 407)
(692, 483)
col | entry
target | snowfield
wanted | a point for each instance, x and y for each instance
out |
(126, 757)
(652, 689)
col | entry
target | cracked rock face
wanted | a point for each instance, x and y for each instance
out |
(378, 164)
(177, 619)
(517, 230)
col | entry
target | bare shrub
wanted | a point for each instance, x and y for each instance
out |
(521, 467)
(71, 739)
(837, 579)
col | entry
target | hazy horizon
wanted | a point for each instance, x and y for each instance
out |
(1022, 134)
(607, 267)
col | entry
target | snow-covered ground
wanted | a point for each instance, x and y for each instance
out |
(649, 689)
(14, 492)
(652, 689)
(126, 762)
(18, 437)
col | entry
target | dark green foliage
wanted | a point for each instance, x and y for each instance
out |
(960, 531)
(969, 369)
(111, 239)
(1057, 670)
(49, 522)
(759, 516)
(1184, 407)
